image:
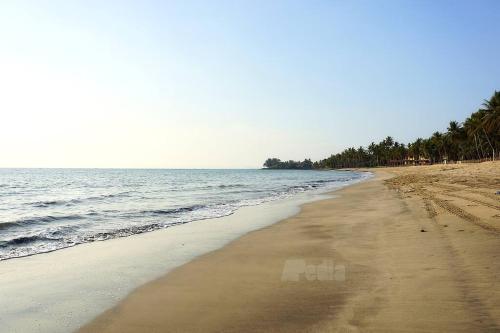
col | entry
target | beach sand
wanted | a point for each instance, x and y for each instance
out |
(414, 249)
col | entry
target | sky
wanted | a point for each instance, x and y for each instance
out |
(226, 84)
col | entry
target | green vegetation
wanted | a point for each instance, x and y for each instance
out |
(276, 163)
(478, 137)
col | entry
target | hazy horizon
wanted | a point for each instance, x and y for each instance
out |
(226, 85)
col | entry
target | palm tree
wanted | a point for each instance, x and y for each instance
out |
(454, 137)
(373, 151)
(429, 149)
(440, 145)
(471, 126)
(415, 149)
(491, 118)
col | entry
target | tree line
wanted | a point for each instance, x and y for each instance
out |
(477, 137)
(276, 163)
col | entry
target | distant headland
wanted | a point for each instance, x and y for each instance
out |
(276, 163)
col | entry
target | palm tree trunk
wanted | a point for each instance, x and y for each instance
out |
(492, 149)
(477, 149)
(481, 147)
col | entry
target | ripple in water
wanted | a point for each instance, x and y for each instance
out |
(44, 210)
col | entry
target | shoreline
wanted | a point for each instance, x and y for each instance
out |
(162, 220)
(371, 259)
(71, 286)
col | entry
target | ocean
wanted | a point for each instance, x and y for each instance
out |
(43, 210)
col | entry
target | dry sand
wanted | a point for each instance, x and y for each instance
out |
(414, 252)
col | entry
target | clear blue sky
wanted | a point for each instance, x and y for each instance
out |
(229, 83)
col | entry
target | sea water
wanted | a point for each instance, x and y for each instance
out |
(43, 210)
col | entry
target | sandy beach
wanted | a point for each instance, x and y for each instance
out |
(412, 250)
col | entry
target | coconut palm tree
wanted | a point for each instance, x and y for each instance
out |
(472, 126)
(438, 140)
(455, 137)
(491, 119)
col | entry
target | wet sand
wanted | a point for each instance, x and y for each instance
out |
(413, 250)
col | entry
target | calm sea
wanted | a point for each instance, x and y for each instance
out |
(44, 210)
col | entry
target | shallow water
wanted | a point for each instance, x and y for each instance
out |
(43, 210)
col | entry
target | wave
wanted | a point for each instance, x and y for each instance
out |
(38, 220)
(174, 210)
(48, 244)
(230, 186)
(111, 195)
(219, 186)
(5, 225)
(21, 240)
(41, 204)
(69, 202)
